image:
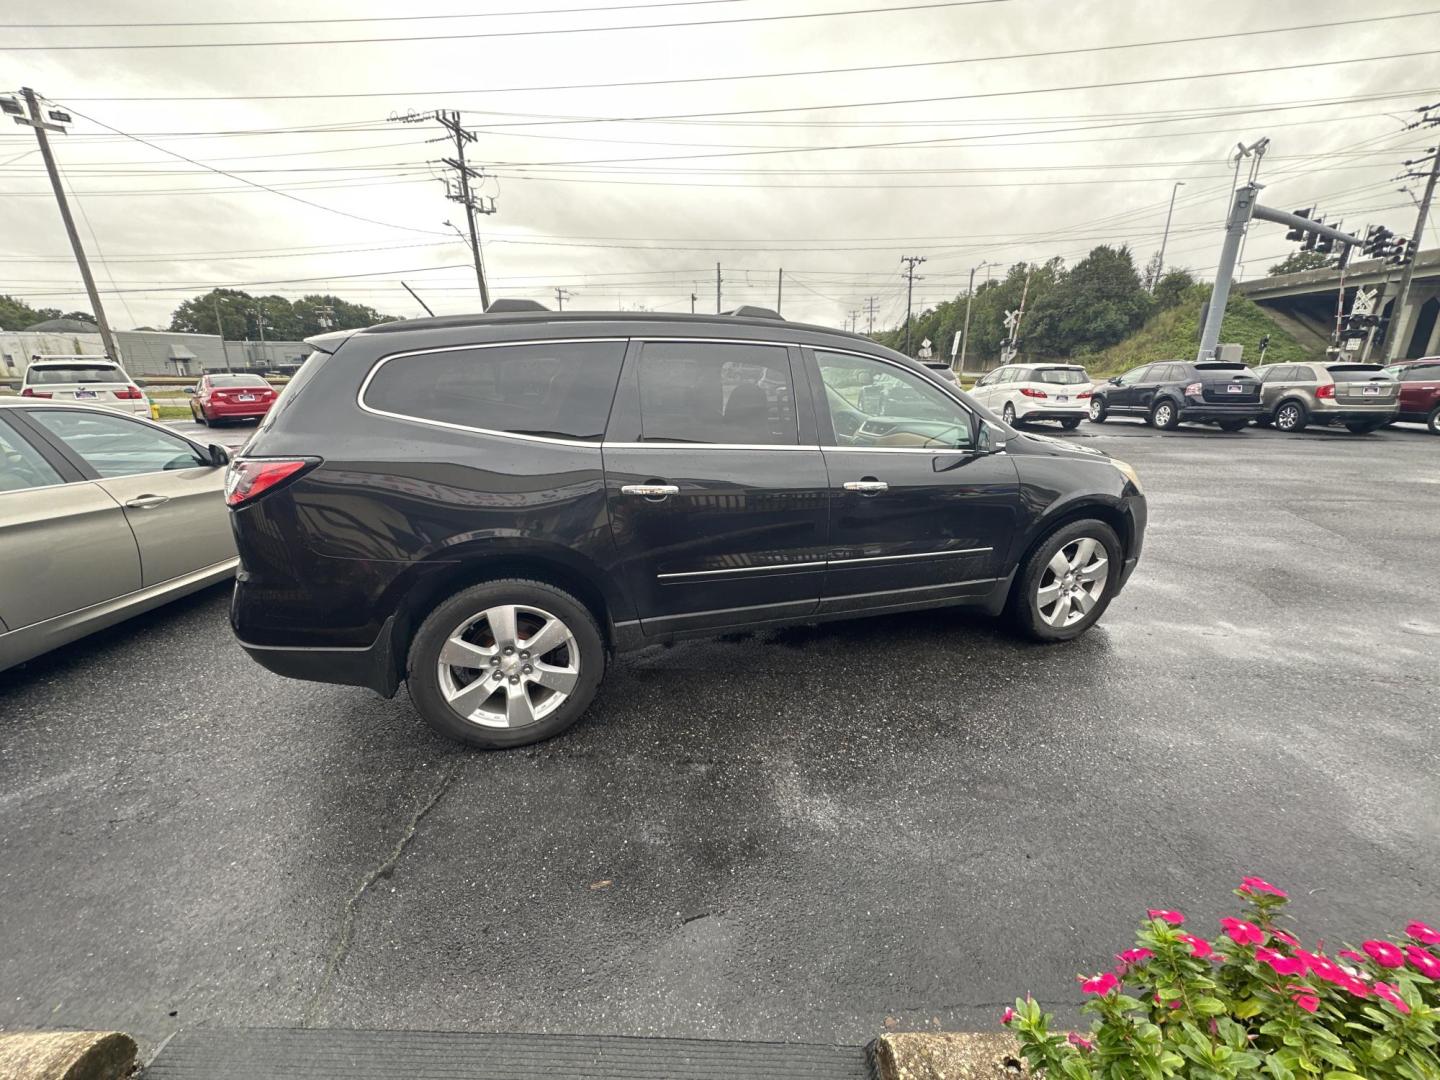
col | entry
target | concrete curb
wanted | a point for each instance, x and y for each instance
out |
(948, 1055)
(67, 1055)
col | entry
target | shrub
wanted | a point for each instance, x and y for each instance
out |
(1251, 1003)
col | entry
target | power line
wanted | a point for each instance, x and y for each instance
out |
(766, 74)
(361, 18)
(501, 33)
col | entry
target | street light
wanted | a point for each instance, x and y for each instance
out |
(969, 296)
(1160, 262)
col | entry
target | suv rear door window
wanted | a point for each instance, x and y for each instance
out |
(720, 392)
(114, 445)
(549, 389)
(21, 465)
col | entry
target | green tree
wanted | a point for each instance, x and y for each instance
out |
(1097, 303)
(1298, 261)
(1172, 287)
(239, 315)
(16, 314)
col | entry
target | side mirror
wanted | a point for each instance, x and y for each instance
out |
(989, 440)
(191, 390)
(1114, 380)
(218, 455)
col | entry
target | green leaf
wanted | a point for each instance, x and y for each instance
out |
(1247, 1008)
(1382, 1048)
(1335, 1056)
(1208, 1006)
(1343, 1076)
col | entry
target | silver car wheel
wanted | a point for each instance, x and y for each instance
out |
(1162, 416)
(1008, 414)
(1287, 417)
(1073, 582)
(508, 666)
(1096, 408)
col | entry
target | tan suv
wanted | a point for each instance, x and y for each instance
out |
(1363, 397)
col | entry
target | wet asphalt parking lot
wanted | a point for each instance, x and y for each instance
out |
(797, 835)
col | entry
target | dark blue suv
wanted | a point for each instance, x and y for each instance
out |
(488, 507)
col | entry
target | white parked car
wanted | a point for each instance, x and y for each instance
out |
(89, 380)
(1023, 392)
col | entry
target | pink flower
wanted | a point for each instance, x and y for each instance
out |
(1131, 958)
(1242, 932)
(1308, 1002)
(1385, 954)
(1387, 991)
(1007, 1015)
(1260, 885)
(1423, 961)
(1354, 987)
(1174, 918)
(1420, 932)
(1076, 1039)
(1199, 947)
(1100, 984)
(1288, 939)
(1321, 965)
(1279, 963)
(1351, 954)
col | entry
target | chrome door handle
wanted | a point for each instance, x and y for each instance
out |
(868, 487)
(147, 502)
(651, 491)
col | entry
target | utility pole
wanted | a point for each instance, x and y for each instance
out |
(779, 289)
(910, 261)
(1165, 239)
(870, 323)
(220, 329)
(1397, 320)
(459, 191)
(561, 295)
(969, 296)
(717, 288)
(57, 121)
(422, 303)
(693, 298)
(854, 320)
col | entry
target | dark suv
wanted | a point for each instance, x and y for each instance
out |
(1171, 392)
(488, 506)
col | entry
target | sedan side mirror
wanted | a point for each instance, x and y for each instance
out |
(191, 390)
(218, 455)
(989, 440)
(1114, 380)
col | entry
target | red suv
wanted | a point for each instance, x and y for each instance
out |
(1419, 391)
(231, 397)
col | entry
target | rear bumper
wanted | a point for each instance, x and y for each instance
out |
(1208, 411)
(246, 410)
(1350, 414)
(1076, 412)
(372, 666)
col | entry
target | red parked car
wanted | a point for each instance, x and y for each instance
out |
(1419, 391)
(219, 398)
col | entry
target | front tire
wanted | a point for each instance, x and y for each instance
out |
(1008, 414)
(1290, 417)
(1098, 411)
(1067, 582)
(1071, 424)
(1164, 415)
(506, 663)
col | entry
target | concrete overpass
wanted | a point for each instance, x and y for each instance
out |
(1304, 303)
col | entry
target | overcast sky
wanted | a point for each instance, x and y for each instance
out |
(622, 211)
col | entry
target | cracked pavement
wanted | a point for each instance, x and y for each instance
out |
(791, 835)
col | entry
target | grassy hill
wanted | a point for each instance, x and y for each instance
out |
(1174, 334)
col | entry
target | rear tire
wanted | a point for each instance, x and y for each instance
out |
(1098, 411)
(1291, 417)
(1008, 414)
(200, 417)
(1044, 598)
(1164, 415)
(1231, 425)
(1070, 424)
(1432, 422)
(1364, 427)
(533, 698)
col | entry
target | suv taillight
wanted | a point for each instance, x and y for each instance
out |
(1030, 391)
(1194, 389)
(130, 393)
(1326, 391)
(249, 478)
(30, 391)
(1083, 395)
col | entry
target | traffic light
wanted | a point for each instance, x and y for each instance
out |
(1312, 240)
(1297, 233)
(1346, 250)
(1400, 251)
(1377, 241)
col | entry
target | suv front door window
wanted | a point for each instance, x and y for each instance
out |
(717, 504)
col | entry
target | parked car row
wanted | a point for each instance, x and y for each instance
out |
(1290, 397)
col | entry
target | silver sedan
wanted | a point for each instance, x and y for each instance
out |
(102, 516)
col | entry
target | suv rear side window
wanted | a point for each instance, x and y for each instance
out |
(552, 389)
(716, 393)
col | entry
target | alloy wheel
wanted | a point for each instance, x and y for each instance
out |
(1073, 582)
(1097, 408)
(508, 666)
(1287, 417)
(1008, 414)
(1162, 415)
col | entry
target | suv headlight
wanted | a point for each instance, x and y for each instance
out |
(1128, 471)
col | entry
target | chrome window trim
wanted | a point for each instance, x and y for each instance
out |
(738, 570)
(825, 562)
(706, 446)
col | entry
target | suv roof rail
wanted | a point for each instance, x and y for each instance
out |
(754, 312)
(513, 303)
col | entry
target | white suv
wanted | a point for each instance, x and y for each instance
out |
(93, 380)
(1022, 392)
